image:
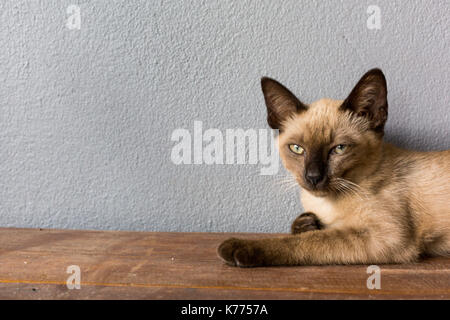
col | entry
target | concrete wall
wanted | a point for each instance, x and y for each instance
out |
(87, 114)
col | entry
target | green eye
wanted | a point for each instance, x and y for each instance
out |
(295, 148)
(340, 149)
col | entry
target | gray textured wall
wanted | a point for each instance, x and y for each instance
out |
(87, 115)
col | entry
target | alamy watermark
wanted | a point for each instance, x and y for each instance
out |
(74, 280)
(233, 146)
(374, 19)
(374, 280)
(74, 19)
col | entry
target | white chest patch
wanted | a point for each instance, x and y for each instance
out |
(325, 210)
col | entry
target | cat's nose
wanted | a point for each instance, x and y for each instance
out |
(314, 177)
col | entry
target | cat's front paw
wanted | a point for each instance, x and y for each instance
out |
(307, 221)
(240, 253)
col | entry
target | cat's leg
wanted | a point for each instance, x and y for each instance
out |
(327, 246)
(307, 221)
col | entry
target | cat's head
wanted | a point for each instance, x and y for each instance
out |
(329, 140)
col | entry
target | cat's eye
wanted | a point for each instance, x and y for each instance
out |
(295, 148)
(340, 149)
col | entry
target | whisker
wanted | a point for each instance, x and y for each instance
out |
(352, 188)
(287, 183)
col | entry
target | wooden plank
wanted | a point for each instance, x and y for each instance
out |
(152, 265)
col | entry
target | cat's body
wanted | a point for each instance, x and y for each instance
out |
(367, 201)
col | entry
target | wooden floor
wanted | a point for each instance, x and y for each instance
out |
(146, 265)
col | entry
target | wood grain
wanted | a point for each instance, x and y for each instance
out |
(152, 265)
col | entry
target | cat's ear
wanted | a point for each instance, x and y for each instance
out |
(369, 99)
(280, 102)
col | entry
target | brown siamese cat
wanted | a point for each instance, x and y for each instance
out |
(367, 201)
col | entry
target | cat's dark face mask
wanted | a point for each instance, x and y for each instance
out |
(315, 175)
(330, 164)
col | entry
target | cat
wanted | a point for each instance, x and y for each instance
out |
(366, 201)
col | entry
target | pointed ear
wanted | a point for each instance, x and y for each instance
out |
(280, 102)
(369, 99)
